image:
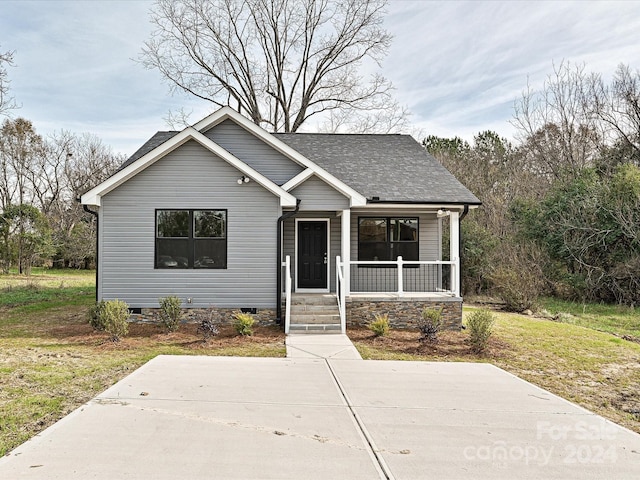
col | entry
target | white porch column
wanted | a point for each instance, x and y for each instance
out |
(345, 242)
(454, 251)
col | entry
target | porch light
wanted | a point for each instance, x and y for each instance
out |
(443, 213)
(243, 179)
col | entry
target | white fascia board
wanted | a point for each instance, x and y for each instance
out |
(415, 206)
(215, 118)
(302, 177)
(93, 196)
(286, 199)
(228, 113)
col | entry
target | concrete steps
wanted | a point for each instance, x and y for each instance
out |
(314, 313)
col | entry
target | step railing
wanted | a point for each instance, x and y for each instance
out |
(287, 291)
(341, 289)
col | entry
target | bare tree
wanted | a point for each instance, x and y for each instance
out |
(80, 162)
(20, 149)
(617, 106)
(558, 134)
(6, 101)
(279, 62)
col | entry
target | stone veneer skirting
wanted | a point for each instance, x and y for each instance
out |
(360, 311)
(403, 312)
(222, 316)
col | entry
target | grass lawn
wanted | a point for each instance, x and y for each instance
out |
(51, 361)
(595, 369)
(616, 319)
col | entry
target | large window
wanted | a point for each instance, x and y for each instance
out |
(387, 238)
(191, 239)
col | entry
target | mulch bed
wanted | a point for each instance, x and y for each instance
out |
(449, 344)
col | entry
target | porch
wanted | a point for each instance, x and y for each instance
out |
(400, 289)
(376, 277)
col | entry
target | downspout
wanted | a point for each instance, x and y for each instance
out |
(465, 210)
(95, 214)
(281, 219)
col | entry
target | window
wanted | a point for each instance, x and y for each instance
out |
(387, 238)
(191, 239)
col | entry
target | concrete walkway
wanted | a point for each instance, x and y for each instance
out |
(326, 345)
(291, 418)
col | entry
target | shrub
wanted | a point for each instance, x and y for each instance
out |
(380, 326)
(170, 312)
(517, 289)
(430, 324)
(111, 317)
(96, 316)
(207, 326)
(243, 323)
(480, 326)
(518, 277)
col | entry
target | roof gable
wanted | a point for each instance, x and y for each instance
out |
(130, 169)
(254, 151)
(226, 113)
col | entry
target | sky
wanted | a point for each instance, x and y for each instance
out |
(457, 65)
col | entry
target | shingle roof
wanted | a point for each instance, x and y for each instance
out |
(394, 168)
(158, 139)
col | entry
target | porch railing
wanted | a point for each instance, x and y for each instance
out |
(341, 288)
(402, 277)
(287, 292)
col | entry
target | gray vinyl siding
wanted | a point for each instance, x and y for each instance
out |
(385, 279)
(189, 178)
(288, 242)
(315, 194)
(254, 152)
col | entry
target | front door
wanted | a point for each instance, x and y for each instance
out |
(312, 254)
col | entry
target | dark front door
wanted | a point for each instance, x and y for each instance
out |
(312, 254)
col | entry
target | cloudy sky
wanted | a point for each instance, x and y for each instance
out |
(457, 65)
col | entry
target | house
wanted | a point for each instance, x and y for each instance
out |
(228, 216)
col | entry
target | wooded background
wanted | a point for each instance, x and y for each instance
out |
(561, 201)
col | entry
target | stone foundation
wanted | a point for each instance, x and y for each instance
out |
(403, 312)
(222, 316)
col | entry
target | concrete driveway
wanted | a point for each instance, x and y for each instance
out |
(304, 418)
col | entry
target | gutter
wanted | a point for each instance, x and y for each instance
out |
(377, 200)
(281, 219)
(95, 214)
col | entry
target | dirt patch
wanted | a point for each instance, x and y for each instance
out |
(186, 337)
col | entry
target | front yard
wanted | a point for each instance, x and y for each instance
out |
(51, 361)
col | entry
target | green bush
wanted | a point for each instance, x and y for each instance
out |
(96, 316)
(380, 326)
(170, 312)
(430, 324)
(243, 323)
(111, 317)
(480, 326)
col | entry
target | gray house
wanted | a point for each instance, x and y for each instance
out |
(225, 215)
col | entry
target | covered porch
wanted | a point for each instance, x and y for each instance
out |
(353, 260)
